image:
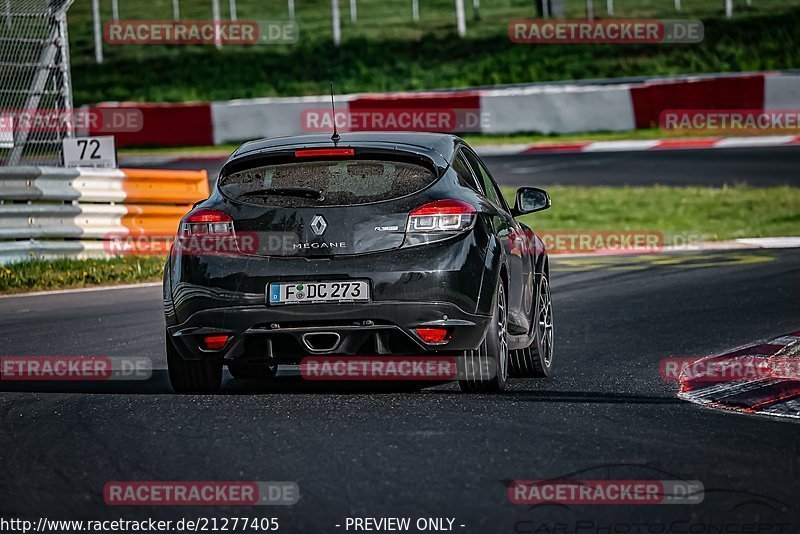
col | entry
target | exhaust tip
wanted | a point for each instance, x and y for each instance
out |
(318, 342)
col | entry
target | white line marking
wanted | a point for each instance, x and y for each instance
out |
(81, 290)
(621, 146)
(743, 142)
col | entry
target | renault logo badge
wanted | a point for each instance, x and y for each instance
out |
(318, 225)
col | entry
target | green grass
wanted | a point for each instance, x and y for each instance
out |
(695, 213)
(40, 275)
(386, 51)
(705, 213)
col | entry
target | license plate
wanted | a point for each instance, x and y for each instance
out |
(316, 292)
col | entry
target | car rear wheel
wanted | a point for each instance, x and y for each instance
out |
(252, 370)
(536, 360)
(486, 368)
(192, 376)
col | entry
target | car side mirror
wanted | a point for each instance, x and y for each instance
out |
(530, 200)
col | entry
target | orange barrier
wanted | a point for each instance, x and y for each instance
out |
(153, 220)
(165, 187)
(112, 211)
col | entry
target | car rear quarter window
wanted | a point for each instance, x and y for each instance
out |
(465, 176)
(347, 182)
(489, 186)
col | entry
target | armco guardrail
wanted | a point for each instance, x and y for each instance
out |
(54, 212)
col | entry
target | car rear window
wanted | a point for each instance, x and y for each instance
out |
(340, 182)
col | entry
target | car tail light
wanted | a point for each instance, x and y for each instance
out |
(434, 336)
(204, 222)
(215, 342)
(323, 152)
(442, 216)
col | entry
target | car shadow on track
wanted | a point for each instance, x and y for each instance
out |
(158, 383)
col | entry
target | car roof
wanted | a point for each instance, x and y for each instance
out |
(439, 147)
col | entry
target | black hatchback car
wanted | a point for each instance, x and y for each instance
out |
(382, 245)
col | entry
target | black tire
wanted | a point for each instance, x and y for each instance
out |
(192, 376)
(536, 360)
(486, 369)
(252, 370)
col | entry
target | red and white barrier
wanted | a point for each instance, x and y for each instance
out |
(567, 108)
(558, 109)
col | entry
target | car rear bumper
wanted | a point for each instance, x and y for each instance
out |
(368, 329)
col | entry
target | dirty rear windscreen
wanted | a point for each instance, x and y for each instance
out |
(326, 183)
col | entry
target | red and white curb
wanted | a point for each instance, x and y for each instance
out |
(687, 143)
(778, 397)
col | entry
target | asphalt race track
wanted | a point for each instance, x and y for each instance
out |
(607, 414)
(766, 166)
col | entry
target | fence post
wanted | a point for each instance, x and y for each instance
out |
(590, 9)
(215, 15)
(728, 8)
(461, 22)
(415, 10)
(98, 41)
(353, 11)
(337, 25)
(176, 9)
